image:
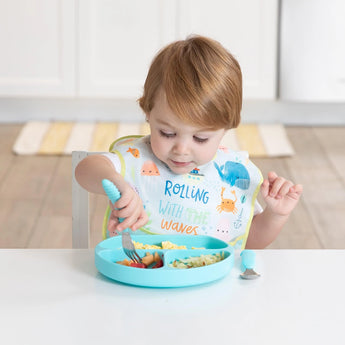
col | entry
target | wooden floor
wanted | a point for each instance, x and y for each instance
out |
(36, 203)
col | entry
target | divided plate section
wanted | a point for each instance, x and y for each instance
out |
(109, 251)
(181, 254)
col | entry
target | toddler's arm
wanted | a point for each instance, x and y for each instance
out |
(92, 170)
(281, 197)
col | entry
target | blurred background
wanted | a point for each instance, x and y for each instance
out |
(86, 60)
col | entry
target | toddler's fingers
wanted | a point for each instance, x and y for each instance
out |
(141, 221)
(284, 189)
(132, 209)
(126, 223)
(265, 188)
(276, 186)
(296, 189)
(131, 214)
(272, 175)
(112, 223)
(123, 201)
(134, 222)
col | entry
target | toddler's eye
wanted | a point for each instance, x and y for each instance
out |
(166, 135)
(200, 140)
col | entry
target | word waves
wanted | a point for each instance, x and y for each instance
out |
(179, 227)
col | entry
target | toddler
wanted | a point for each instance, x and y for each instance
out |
(178, 180)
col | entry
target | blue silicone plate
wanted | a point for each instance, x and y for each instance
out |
(109, 251)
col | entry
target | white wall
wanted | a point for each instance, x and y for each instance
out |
(66, 59)
(312, 57)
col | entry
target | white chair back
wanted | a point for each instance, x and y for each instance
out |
(80, 207)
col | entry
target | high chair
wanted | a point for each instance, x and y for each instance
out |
(80, 207)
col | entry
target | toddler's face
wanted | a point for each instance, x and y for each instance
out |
(181, 146)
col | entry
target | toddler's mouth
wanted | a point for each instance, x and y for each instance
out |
(180, 164)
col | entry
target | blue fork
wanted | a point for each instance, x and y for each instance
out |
(127, 244)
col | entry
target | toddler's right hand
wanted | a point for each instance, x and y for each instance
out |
(130, 208)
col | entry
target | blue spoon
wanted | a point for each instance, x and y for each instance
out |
(248, 264)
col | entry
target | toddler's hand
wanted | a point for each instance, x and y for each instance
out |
(280, 195)
(130, 208)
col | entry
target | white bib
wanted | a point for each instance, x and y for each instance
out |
(216, 199)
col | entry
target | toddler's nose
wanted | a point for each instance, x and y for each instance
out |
(181, 148)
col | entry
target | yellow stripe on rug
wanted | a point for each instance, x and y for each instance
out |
(58, 138)
(249, 139)
(104, 134)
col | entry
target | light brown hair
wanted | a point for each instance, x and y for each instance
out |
(202, 82)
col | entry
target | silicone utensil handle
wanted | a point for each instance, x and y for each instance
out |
(112, 192)
(248, 259)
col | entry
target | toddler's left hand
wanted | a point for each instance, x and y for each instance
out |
(280, 195)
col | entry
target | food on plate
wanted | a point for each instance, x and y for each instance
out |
(150, 258)
(138, 245)
(125, 262)
(198, 261)
(170, 245)
(164, 245)
(148, 261)
(158, 264)
(137, 264)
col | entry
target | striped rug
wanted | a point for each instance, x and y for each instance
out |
(61, 138)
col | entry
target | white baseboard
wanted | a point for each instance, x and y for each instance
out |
(290, 113)
(294, 113)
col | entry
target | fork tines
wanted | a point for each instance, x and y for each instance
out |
(133, 255)
(128, 247)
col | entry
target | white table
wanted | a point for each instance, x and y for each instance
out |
(58, 297)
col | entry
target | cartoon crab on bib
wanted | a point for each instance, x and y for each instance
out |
(227, 205)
